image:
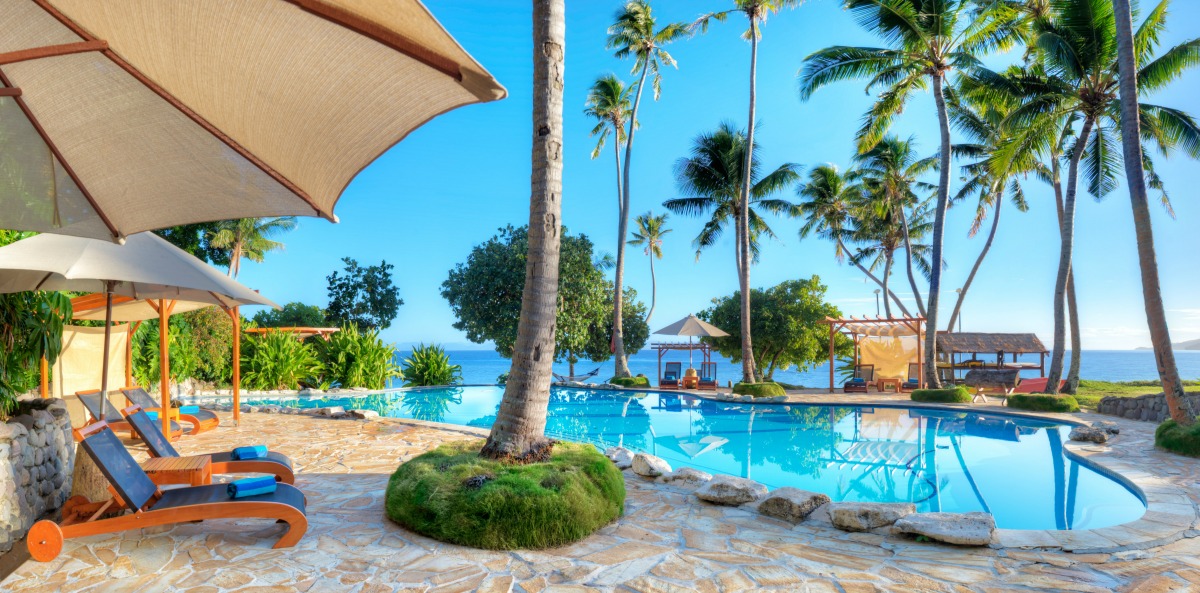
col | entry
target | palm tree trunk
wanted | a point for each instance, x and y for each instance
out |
(908, 259)
(653, 287)
(868, 273)
(620, 363)
(620, 186)
(887, 275)
(987, 245)
(748, 371)
(939, 231)
(1072, 305)
(1067, 229)
(519, 430)
(1160, 336)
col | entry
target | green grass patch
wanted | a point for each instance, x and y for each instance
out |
(1184, 440)
(950, 395)
(638, 381)
(1090, 392)
(1043, 403)
(765, 389)
(454, 495)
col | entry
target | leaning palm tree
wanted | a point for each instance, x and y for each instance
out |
(755, 11)
(519, 431)
(249, 238)
(1135, 175)
(650, 232)
(635, 33)
(828, 202)
(1077, 56)
(608, 103)
(927, 39)
(882, 230)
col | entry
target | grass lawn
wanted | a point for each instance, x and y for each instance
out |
(1091, 392)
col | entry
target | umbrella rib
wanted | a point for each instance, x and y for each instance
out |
(49, 51)
(62, 161)
(184, 109)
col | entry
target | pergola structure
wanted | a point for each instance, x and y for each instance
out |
(663, 348)
(856, 328)
(302, 333)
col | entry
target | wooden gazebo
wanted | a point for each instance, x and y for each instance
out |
(705, 350)
(954, 345)
(856, 328)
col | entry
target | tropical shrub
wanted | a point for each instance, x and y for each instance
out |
(211, 331)
(950, 395)
(183, 355)
(277, 360)
(30, 327)
(354, 358)
(639, 381)
(502, 379)
(1043, 403)
(454, 495)
(430, 365)
(1184, 440)
(766, 389)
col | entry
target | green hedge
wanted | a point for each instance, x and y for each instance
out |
(1043, 402)
(454, 495)
(951, 395)
(638, 381)
(766, 389)
(1184, 440)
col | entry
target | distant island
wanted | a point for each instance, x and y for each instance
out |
(1188, 345)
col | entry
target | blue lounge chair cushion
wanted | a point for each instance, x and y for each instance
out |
(251, 487)
(912, 382)
(255, 452)
(152, 415)
(858, 380)
(706, 379)
(669, 377)
(189, 409)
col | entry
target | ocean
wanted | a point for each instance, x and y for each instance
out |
(483, 366)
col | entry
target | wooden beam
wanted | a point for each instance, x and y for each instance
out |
(237, 366)
(50, 51)
(45, 372)
(164, 369)
(10, 92)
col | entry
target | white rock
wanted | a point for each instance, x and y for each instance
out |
(650, 466)
(865, 516)
(1089, 434)
(964, 529)
(791, 504)
(731, 490)
(620, 456)
(363, 414)
(685, 475)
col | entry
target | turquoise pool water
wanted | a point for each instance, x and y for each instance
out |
(1014, 468)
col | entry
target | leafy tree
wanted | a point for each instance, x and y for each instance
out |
(31, 325)
(211, 331)
(248, 238)
(293, 314)
(362, 296)
(649, 233)
(193, 238)
(787, 326)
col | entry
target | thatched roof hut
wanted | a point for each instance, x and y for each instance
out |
(973, 342)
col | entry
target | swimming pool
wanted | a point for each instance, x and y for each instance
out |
(1014, 468)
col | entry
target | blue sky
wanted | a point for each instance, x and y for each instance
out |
(451, 184)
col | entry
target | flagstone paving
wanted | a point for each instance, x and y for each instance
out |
(667, 541)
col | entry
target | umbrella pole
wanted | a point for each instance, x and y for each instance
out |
(237, 365)
(164, 369)
(104, 357)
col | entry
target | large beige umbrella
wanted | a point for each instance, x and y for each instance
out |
(145, 267)
(122, 116)
(692, 326)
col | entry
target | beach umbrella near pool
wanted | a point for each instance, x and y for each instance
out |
(129, 116)
(145, 267)
(692, 326)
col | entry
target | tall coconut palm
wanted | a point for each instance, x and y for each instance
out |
(635, 33)
(1076, 51)
(882, 230)
(650, 232)
(249, 238)
(519, 431)
(926, 40)
(828, 202)
(1128, 60)
(608, 103)
(756, 12)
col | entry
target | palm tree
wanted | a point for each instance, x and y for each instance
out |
(1077, 79)
(249, 238)
(755, 11)
(927, 39)
(519, 431)
(711, 182)
(828, 203)
(882, 233)
(635, 33)
(608, 103)
(1128, 60)
(650, 232)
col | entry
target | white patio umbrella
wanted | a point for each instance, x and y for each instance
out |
(692, 326)
(144, 267)
(118, 117)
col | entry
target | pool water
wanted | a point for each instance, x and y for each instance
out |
(1015, 468)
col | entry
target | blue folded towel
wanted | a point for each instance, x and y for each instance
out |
(251, 487)
(152, 415)
(244, 453)
(189, 409)
(911, 382)
(858, 380)
(669, 377)
(706, 379)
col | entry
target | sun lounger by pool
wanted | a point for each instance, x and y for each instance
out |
(708, 376)
(864, 376)
(274, 463)
(91, 402)
(201, 420)
(145, 505)
(914, 380)
(671, 378)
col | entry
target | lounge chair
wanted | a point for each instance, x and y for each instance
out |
(670, 379)
(148, 506)
(864, 377)
(91, 402)
(914, 380)
(274, 463)
(708, 376)
(201, 420)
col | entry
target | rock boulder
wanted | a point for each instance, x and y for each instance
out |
(650, 466)
(791, 504)
(1089, 434)
(731, 490)
(685, 476)
(963, 529)
(865, 516)
(620, 456)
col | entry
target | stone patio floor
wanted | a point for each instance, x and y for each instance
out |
(668, 541)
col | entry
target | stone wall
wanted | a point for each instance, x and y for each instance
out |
(37, 456)
(1151, 408)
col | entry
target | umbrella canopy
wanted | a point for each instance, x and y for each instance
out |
(692, 326)
(122, 117)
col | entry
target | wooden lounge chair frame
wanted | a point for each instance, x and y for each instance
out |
(200, 422)
(913, 372)
(865, 387)
(116, 425)
(135, 492)
(707, 369)
(157, 446)
(664, 383)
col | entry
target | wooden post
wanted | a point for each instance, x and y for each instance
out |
(129, 355)
(45, 370)
(237, 366)
(920, 359)
(164, 369)
(831, 330)
(660, 353)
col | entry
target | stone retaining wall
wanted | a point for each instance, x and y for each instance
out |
(1150, 408)
(37, 457)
